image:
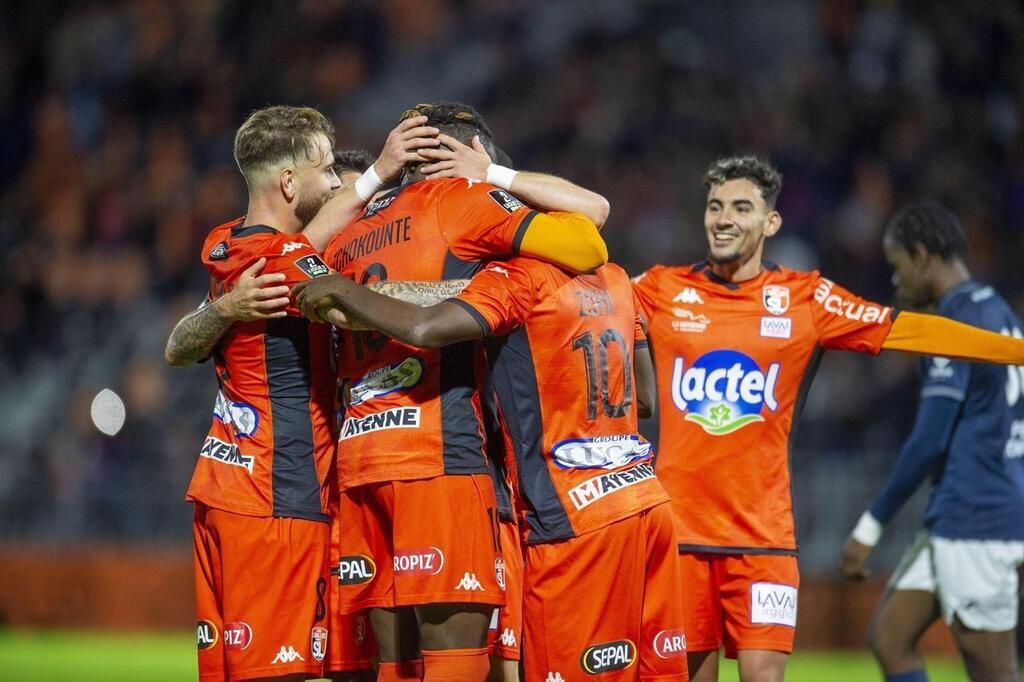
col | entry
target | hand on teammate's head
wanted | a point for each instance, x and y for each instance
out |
(456, 160)
(403, 146)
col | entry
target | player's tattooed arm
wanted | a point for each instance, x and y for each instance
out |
(254, 297)
(421, 293)
(335, 299)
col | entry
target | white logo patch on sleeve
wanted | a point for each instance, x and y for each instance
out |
(505, 200)
(773, 603)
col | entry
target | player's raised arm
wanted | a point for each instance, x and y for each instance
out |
(937, 335)
(402, 146)
(540, 190)
(254, 297)
(423, 327)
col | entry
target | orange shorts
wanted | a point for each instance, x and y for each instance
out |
(741, 601)
(606, 603)
(261, 595)
(431, 541)
(351, 645)
(506, 631)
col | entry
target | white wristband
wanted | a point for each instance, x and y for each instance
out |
(500, 176)
(868, 530)
(368, 183)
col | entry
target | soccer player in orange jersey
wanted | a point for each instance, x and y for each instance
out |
(736, 342)
(570, 367)
(420, 548)
(260, 486)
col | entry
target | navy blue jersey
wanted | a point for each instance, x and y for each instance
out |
(979, 489)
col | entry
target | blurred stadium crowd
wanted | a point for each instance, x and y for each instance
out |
(116, 124)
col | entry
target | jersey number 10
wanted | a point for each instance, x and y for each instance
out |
(597, 373)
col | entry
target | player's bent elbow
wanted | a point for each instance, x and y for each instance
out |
(595, 255)
(600, 211)
(175, 360)
(425, 335)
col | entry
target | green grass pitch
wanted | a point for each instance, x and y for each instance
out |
(93, 657)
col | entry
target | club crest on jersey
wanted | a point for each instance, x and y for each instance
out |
(387, 379)
(219, 252)
(775, 298)
(723, 390)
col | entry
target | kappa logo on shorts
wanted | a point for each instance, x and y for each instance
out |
(395, 418)
(670, 643)
(237, 636)
(312, 265)
(508, 638)
(773, 603)
(318, 642)
(592, 490)
(426, 561)
(602, 658)
(287, 655)
(505, 200)
(554, 677)
(206, 634)
(470, 583)
(355, 570)
(228, 453)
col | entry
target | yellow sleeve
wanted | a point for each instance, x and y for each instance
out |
(936, 335)
(570, 240)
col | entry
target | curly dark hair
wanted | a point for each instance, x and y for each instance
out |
(931, 225)
(767, 178)
(459, 120)
(349, 160)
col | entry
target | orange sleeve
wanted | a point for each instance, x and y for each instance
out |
(499, 297)
(845, 321)
(570, 240)
(645, 291)
(480, 221)
(936, 335)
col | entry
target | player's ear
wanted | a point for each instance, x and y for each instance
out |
(774, 224)
(919, 255)
(287, 181)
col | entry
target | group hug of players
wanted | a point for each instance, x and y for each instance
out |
(481, 471)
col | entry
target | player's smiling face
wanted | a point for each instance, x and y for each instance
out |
(737, 220)
(315, 179)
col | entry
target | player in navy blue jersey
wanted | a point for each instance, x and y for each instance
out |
(969, 439)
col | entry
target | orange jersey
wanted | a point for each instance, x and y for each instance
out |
(734, 363)
(271, 444)
(565, 385)
(416, 413)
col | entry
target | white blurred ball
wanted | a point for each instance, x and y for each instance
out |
(108, 412)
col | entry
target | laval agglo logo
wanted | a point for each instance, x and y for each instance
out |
(723, 390)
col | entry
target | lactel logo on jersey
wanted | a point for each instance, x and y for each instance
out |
(388, 379)
(601, 452)
(724, 390)
(395, 418)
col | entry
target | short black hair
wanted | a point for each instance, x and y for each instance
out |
(349, 160)
(766, 176)
(931, 225)
(459, 120)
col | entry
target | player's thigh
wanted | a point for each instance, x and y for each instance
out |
(899, 622)
(453, 626)
(758, 593)
(397, 633)
(662, 635)
(988, 656)
(446, 545)
(702, 609)
(274, 598)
